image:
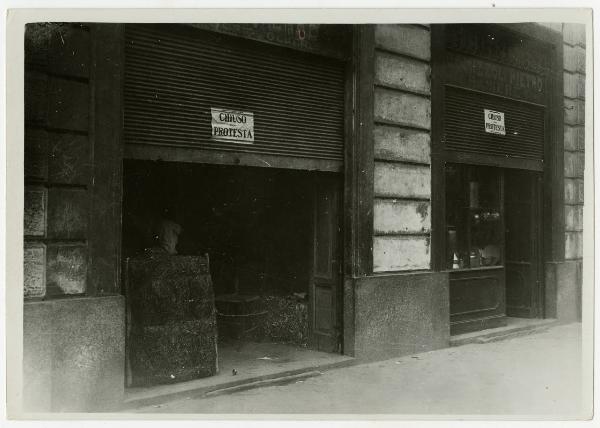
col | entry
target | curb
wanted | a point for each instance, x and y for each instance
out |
(284, 380)
(503, 333)
(200, 392)
(518, 333)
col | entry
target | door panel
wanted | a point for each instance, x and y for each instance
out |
(523, 223)
(477, 300)
(476, 294)
(325, 281)
(324, 319)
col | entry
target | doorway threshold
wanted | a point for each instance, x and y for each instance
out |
(514, 327)
(242, 365)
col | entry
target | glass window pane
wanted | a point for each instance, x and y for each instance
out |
(473, 216)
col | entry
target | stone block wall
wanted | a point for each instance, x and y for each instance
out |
(402, 145)
(73, 349)
(57, 159)
(574, 137)
(574, 145)
(564, 278)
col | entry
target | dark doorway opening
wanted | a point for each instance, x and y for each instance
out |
(272, 237)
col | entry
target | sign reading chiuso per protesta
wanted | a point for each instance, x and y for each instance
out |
(494, 122)
(232, 125)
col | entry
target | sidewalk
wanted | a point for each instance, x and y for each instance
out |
(538, 375)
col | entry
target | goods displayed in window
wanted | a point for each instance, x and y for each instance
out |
(473, 216)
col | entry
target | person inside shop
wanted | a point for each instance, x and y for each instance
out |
(167, 232)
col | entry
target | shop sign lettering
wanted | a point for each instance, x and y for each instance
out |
(329, 40)
(494, 78)
(494, 122)
(499, 46)
(231, 125)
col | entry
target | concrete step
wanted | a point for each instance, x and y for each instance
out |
(515, 327)
(283, 380)
(197, 390)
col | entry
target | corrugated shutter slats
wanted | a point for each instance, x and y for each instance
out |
(464, 125)
(172, 79)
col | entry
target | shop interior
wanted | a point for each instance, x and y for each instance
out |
(474, 216)
(255, 224)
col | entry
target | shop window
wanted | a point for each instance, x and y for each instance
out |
(473, 216)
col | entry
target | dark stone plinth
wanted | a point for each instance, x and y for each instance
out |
(74, 354)
(563, 290)
(398, 314)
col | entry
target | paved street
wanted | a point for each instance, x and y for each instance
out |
(537, 374)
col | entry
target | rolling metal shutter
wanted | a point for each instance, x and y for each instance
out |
(173, 77)
(464, 125)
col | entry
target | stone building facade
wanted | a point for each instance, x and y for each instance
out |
(394, 297)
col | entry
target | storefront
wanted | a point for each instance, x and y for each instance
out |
(242, 141)
(493, 160)
(395, 184)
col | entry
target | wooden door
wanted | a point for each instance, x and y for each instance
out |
(523, 244)
(324, 286)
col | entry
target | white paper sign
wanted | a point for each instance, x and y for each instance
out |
(494, 122)
(231, 125)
